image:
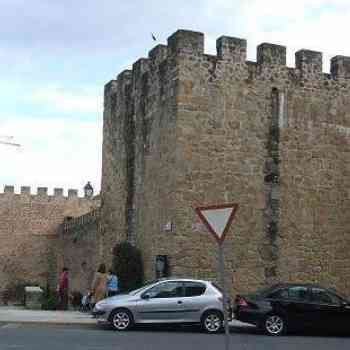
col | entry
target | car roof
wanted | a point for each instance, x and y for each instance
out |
(185, 279)
(307, 285)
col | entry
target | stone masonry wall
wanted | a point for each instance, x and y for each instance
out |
(138, 149)
(154, 86)
(29, 233)
(79, 248)
(215, 129)
(275, 140)
(114, 169)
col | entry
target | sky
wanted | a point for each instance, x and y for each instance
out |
(57, 55)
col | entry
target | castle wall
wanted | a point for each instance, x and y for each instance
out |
(212, 129)
(314, 241)
(139, 154)
(79, 248)
(29, 233)
(275, 140)
(114, 163)
(222, 127)
(154, 87)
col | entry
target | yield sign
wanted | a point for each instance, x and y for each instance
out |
(218, 218)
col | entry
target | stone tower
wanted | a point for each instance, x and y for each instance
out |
(184, 128)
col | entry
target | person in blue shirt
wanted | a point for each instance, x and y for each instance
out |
(112, 284)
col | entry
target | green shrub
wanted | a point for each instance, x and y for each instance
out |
(50, 299)
(128, 266)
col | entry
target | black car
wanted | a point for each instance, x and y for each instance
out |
(285, 307)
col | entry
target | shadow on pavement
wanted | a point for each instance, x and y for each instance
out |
(244, 330)
(175, 328)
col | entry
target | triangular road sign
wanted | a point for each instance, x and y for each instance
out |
(218, 218)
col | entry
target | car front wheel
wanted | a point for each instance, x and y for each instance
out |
(212, 321)
(121, 319)
(274, 324)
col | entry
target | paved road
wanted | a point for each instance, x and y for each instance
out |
(36, 337)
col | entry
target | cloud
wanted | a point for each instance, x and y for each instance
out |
(68, 101)
(312, 24)
(113, 34)
(87, 24)
(54, 153)
(57, 55)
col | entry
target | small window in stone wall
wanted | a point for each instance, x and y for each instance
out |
(279, 108)
(147, 143)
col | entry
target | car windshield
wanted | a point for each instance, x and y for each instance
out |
(337, 293)
(134, 292)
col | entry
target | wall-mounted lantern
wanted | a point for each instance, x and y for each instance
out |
(88, 190)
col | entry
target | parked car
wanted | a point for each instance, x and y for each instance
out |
(165, 301)
(285, 307)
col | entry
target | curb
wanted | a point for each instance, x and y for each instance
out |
(51, 323)
(94, 325)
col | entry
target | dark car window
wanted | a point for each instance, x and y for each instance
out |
(298, 293)
(166, 290)
(278, 294)
(321, 296)
(193, 289)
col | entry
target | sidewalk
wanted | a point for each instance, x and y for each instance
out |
(20, 315)
(13, 314)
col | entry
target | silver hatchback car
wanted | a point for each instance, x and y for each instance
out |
(165, 301)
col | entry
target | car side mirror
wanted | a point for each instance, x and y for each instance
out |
(344, 304)
(145, 296)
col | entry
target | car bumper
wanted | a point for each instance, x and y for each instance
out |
(248, 316)
(100, 315)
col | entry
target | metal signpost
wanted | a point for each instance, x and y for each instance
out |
(218, 219)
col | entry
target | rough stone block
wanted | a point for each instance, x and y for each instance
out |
(271, 54)
(9, 189)
(110, 88)
(42, 191)
(140, 67)
(72, 193)
(158, 53)
(340, 67)
(25, 189)
(308, 61)
(58, 192)
(234, 49)
(124, 77)
(186, 41)
(33, 297)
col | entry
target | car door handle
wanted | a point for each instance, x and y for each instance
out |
(179, 301)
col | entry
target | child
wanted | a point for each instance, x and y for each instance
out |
(112, 284)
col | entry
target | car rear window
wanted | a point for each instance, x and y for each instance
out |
(321, 296)
(299, 293)
(193, 289)
(169, 289)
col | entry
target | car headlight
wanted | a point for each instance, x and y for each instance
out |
(100, 305)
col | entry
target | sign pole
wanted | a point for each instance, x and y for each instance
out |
(222, 277)
(218, 219)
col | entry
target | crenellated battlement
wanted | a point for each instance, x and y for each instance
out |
(158, 54)
(41, 192)
(229, 48)
(232, 51)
